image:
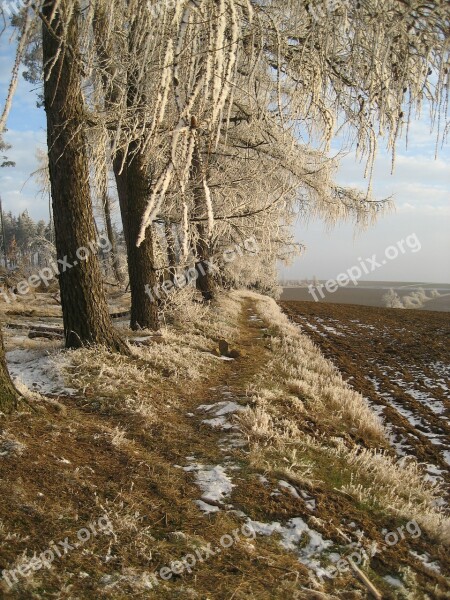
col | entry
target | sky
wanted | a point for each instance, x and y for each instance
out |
(420, 186)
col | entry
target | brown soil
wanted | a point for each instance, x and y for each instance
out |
(389, 355)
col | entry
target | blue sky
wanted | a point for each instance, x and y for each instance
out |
(420, 186)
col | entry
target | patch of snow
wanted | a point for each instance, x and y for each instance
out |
(434, 474)
(397, 441)
(290, 488)
(425, 559)
(291, 535)
(309, 500)
(333, 330)
(214, 482)
(424, 398)
(221, 408)
(207, 508)
(218, 423)
(334, 557)
(441, 369)
(409, 416)
(436, 440)
(393, 581)
(38, 371)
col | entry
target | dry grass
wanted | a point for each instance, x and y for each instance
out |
(113, 448)
(275, 427)
(305, 371)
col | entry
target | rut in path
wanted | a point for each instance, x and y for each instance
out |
(218, 460)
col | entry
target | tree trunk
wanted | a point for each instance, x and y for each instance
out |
(85, 310)
(120, 169)
(205, 280)
(144, 309)
(133, 189)
(114, 254)
(8, 393)
(171, 253)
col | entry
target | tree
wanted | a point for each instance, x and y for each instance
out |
(9, 396)
(416, 299)
(312, 75)
(4, 147)
(26, 231)
(85, 311)
(202, 210)
(130, 162)
(105, 203)
(392, 300)
(268, 84)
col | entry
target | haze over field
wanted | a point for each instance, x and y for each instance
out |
(369, 293)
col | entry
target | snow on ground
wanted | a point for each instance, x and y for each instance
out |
(309, 500)
(218, 423)
(38, 370)
(332, 330)
(221, 408)
(220, 411)
(397, 440)
(293, 536)
(409, 415)
(393, 581)
(434, 474)
(290, 488)
(214, 482)
(424, 398)
(426, 561)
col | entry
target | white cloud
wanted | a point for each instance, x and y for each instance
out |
(418, 180)
(425, 209)
(19, 192)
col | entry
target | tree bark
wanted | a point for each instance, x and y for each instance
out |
(85, 310)
(144, 310)
(8, 393)
(133, 189)
(171, 253)
(205, 280)
(112, 239)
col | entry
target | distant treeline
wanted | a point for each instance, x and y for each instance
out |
(23, 240)
(26, 243)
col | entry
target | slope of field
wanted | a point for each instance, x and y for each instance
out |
(400, 361)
